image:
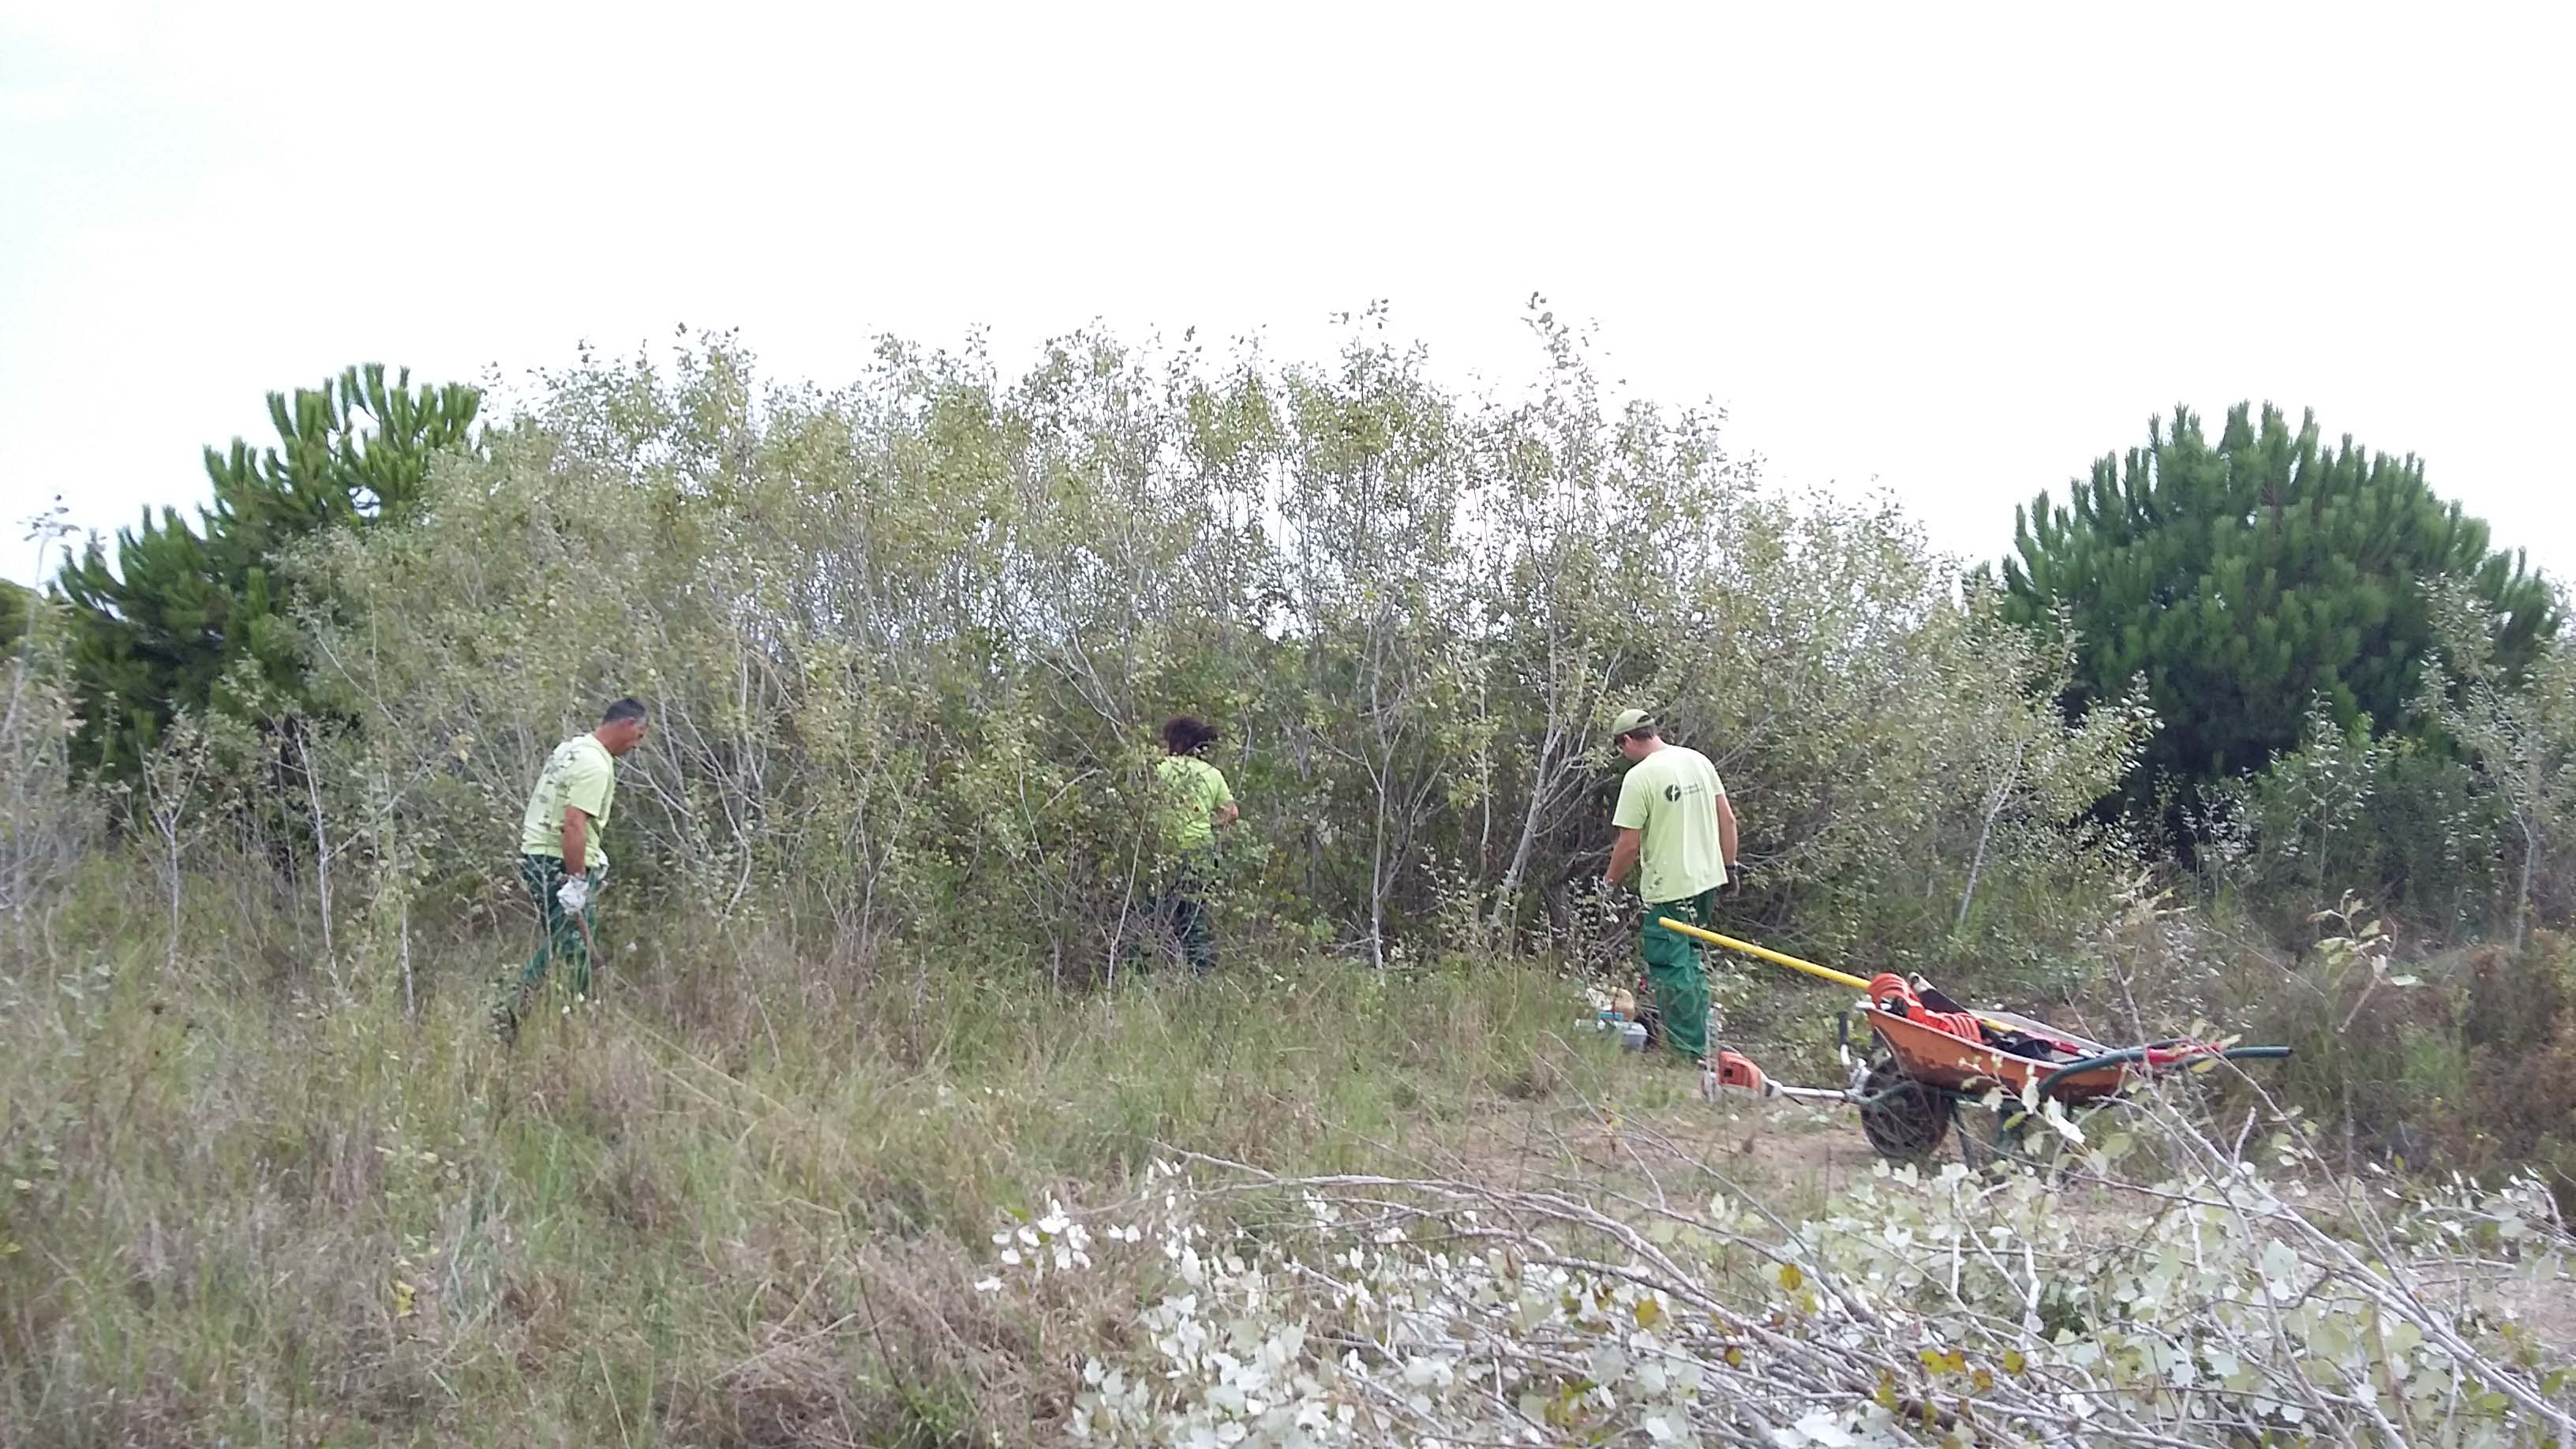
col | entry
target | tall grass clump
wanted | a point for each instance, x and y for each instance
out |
(734, 1201)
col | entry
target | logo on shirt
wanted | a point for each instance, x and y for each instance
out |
(1676, 791)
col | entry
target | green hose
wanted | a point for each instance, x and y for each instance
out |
(2139, 1054)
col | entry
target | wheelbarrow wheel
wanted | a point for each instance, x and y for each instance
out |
(1904, 1120)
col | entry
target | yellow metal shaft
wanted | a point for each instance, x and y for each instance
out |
(1839, 978)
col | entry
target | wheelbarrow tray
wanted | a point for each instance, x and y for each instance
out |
(1936, 1058)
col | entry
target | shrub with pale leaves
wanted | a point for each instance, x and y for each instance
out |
(2228, 1303)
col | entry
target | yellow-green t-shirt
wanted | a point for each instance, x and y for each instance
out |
(1670, 798)
(579, 773)
(1193, 791)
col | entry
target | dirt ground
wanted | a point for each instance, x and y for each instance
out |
(1637, 1126)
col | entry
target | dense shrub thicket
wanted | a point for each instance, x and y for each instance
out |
(909, 643)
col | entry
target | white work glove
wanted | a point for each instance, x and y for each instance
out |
(575, 894)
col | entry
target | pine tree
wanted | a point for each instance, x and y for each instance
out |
(2246, 580)
(183, 609)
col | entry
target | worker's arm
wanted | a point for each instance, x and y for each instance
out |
(1726, 833)
(1226, 814)
(576, 840)
(1623, 858)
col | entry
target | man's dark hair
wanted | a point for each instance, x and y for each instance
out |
(1186, 734)
(624, 709)
(1644, 732)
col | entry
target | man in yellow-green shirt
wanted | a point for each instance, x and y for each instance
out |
(561, 856)
(1674, 820)
(1194, 802)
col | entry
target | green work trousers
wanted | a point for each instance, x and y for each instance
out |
(1673, 970)
(1178, 903)
(559, 936)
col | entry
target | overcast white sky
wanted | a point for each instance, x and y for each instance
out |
(1957, 254)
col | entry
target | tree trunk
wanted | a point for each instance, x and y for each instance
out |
(1539, 789)
(170, 844)
(2522, 896)
(402, 929)
(1377, 880)
(1985, 833)
(321, 862)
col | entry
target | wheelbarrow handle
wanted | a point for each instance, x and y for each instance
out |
(2139, 1054)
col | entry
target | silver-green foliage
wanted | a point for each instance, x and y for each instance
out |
(908, 641)
(2235, 1300)
(2519, 731)
(44, 817)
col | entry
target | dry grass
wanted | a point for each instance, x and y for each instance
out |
(741, 1203)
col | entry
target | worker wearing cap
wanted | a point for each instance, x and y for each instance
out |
(560, 855)
(1674, 821)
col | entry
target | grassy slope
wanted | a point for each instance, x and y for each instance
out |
(745, 1202)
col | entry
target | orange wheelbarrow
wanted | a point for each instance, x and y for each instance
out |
(1935, 1057)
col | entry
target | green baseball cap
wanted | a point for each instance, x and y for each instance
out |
(1630, 721)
